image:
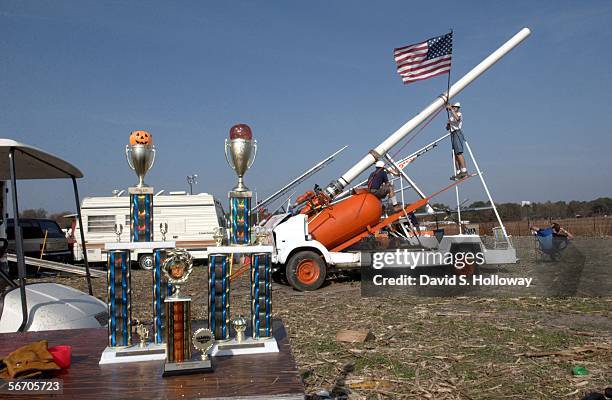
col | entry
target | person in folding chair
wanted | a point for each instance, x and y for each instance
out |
(454, 124)
(379, 185)
(552, 240)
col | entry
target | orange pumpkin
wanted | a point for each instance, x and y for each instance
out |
(140, 137)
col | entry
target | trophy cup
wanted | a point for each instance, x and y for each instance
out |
(163, 229)
(118, 231)
(177, 267)
(140, 155)
(143, 334)
(240, 151)
(240, 325)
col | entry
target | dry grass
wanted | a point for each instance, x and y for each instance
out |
(436, 348)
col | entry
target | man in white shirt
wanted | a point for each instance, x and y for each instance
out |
(455, 121)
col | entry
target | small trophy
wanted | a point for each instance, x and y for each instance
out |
(143, 334)
(163, 229)
(240, 325)
(177, 267)
(218, 235)
(203, 341)
(118, 231)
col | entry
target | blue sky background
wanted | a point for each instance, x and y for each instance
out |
(308, 77)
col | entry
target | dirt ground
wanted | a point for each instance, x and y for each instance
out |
(496, 346)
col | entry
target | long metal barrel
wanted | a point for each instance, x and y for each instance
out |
(316, 168)
(336, 187)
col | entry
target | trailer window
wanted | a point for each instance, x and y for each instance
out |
(101, 223)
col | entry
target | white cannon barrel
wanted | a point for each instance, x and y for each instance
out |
(336, 187)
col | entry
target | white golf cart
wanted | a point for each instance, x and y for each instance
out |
(39, 306)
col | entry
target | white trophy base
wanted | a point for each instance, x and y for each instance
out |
(247, 346)
(133, 353)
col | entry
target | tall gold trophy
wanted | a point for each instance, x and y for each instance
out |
(240, 335)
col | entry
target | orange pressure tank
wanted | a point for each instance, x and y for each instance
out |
(344, 220)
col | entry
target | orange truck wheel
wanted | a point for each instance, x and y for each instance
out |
(306, 270)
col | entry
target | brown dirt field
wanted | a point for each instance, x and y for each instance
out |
(508, 347)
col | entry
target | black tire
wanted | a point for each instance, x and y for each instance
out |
(279, 276)
(146, 262)
(306, 271)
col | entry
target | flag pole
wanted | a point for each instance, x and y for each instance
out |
(449, 76)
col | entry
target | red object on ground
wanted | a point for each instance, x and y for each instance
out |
(61, 355)
(241, 131)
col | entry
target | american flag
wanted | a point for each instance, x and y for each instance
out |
(424, 60)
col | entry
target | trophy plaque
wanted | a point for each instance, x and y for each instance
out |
(177, 267)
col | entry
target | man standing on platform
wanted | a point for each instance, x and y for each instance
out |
(455, 121)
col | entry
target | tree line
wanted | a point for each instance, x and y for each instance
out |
(508, 211)
(546, 210)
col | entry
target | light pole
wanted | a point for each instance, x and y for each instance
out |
(192, 180)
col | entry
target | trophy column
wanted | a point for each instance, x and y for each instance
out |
(239, 206)
(219, 295)
(161, 290)
(141, 214)
(119, 294)
(178, 321)
(261, 296)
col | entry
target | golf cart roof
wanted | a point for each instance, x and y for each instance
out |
(34, 163)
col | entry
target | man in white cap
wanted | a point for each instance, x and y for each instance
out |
(455, 121)
(379, 185)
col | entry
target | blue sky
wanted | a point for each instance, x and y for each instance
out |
(308, 77)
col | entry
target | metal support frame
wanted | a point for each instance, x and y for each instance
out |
(501, 224)
(21, 268)
(82, 232)
(455, 166)
(405, 176)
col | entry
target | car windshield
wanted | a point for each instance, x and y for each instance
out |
(34, 229)
(52, 228)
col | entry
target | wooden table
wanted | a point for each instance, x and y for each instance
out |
(262, 376)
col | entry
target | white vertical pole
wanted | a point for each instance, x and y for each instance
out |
(457, 193)
(402, 191)
(501, 224)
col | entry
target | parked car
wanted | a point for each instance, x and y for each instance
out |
(54, 247)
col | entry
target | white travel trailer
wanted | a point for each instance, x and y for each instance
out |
(191, 219)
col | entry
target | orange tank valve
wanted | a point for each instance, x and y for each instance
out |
(304, 197)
